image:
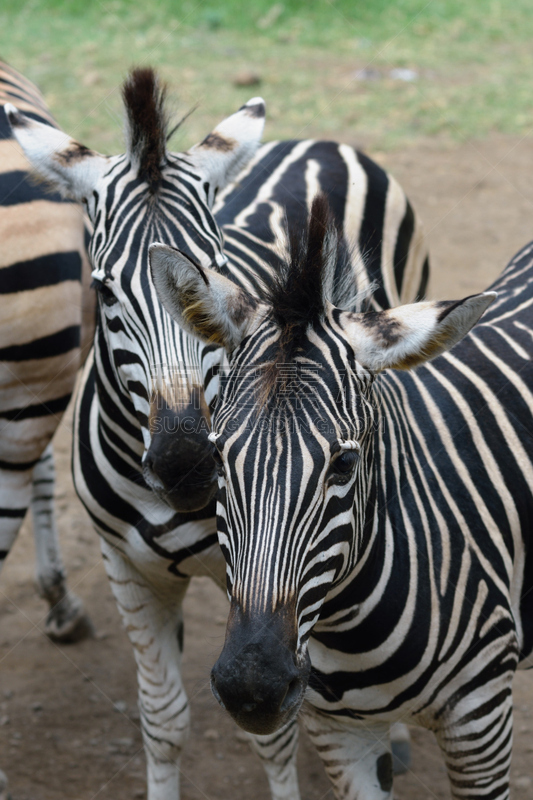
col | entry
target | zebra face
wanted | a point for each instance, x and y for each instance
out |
(294, 438)
(157, 381)
(294, 454)
(158, 369)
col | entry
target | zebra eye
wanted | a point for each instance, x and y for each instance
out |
(106, 294)
(342, 467)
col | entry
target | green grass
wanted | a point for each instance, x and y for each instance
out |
(474, 64)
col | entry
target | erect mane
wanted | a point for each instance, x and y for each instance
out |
(144, 99)
(319, 269)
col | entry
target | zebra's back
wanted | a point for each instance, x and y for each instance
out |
(495, 367)
(368, 205)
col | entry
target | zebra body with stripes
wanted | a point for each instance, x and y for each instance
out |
(143, 464)
(377, 537)
(43, 267)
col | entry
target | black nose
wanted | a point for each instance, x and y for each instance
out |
(254, 680)
(257, 678)
(181, 469)
(179, 465)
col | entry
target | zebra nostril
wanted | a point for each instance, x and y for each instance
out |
(148, 462)
(215, 691)
(248, 707)
(292, 695)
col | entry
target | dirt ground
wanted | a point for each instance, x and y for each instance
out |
(69, 728)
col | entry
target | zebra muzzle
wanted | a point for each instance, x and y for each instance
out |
(258, 678)
(179, 465)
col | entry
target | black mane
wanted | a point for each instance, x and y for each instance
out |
(319, 268)
(144, 99)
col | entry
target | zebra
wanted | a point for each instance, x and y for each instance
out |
(376, 531)
(142, 461)
(43, 266)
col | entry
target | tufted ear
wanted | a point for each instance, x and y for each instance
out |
(69, 166)
(202, 301)
(231, 145)
(407, 336)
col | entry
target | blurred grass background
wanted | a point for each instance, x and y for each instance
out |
(382, 73)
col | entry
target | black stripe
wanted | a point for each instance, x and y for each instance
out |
(403, 242)
(136, 387)
(42, 271)
(194, 549)
(46, 347)
(22, 88)
(333, 177)
(5, 127)
(245, 190)
(13, 513)
(119, 443)
(423, 280)
(18, 187)
(371, 233)
(56, 406)
(18, 466)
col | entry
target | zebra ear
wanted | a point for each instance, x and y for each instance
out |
(231, 145)
(67, 165)
(407, 336)
(202, 301)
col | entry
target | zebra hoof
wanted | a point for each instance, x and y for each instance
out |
(4, 794)
(67, 622)
(401, 748)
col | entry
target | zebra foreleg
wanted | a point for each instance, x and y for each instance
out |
(278, 754)
(400, 742)
(357, 758)
(154, 623)
(4, 795)
(15, 498)
(477, 746)
(66, 620)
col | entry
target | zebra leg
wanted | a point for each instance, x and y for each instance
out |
(3, 787)
(15, 497)
(477, 748)
(278, 754)
(400, 742)
(66, 620)
(154, 623)
(357, 758)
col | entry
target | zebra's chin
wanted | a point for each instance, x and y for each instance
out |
(259, 678)
(183, 500)
(251, 718)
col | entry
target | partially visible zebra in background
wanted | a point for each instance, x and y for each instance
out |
(46, 323)
(143, 465)
(377, 537)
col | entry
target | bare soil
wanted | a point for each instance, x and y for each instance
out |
(69, 728)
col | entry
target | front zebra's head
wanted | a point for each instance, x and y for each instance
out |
(155, 382)
(295, 434)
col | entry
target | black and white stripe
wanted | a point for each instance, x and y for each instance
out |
(149, 387)
(43, 265)
(376, 530)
